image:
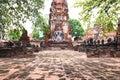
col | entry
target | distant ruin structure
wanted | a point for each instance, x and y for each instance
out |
(24, 38)
(95, 33)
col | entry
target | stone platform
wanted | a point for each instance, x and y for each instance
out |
(16, 52)
(60, 65)
(59, 44)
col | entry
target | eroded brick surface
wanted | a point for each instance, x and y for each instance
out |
(60, 65)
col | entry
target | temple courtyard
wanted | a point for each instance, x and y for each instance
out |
(60, 65)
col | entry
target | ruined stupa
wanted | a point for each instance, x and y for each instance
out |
(60, 30)
(24, 38)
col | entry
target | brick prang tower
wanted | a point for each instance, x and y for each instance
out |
(60, 30)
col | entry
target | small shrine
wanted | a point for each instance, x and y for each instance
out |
(60, 30)
(24, 38)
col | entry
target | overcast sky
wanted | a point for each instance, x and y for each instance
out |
(73, 12)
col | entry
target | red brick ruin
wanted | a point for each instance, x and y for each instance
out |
(60, 31)
(24, 38)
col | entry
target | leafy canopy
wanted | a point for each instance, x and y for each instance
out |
(77, 30)
(104, 12)
(14, 13)
(14, 34)
(39, 32)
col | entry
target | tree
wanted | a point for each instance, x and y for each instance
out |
(14, 34)
(14, 13)
(77, 30)
(35, 34)
(104, 12)
(41, 27)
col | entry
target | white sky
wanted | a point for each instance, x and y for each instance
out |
(73, 12)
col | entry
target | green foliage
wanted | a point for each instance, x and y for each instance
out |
(41, 26)
(14, 34)
(36, 34)
(14, 13)
(105, 12)
(77, 30)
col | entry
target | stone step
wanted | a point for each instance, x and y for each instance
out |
(58, 48)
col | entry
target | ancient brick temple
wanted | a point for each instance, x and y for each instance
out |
(95, 33)
(60, 31)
